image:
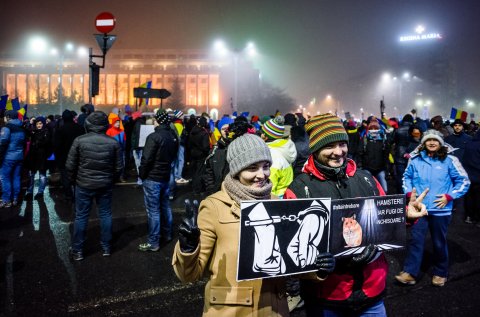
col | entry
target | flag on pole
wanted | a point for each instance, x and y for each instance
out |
(22, 112)
(3, 102)
(458, 114)
(144, 101)
(15, 104)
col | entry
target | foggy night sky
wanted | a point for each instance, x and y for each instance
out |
(307, 47)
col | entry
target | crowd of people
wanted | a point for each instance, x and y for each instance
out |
(240, 158)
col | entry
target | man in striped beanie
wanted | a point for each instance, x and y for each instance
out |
(329, 173)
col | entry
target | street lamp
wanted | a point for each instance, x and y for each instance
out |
(39, 46)
(222, 50)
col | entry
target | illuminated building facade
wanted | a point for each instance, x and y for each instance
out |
(193, 78)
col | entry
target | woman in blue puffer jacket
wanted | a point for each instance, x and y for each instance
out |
(431, 167)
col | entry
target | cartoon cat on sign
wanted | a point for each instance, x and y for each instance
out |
(352, 232)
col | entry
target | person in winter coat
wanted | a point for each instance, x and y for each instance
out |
(12, 141)
(300, 138)
(471, 163)
(353, 139)
(283, 153)
(216, 166)
(158, 155)
(373, 150)
(401, 139)
(432, 167)
(137, 149)
(211, 247)
(199, 146)
(36, 161)
(357, 284)
(115, 131)
(459, 140)
(62, 142)
(93, 164)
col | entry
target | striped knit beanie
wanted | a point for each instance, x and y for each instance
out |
(246, 150)
(324, 129)
(273, 130)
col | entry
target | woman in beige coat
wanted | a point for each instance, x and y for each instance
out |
(212, 247)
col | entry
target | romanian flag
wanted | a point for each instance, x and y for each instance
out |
(3, 102)
(22, 112)
(144, 101)
(458, 114)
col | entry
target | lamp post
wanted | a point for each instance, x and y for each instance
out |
(221, 49)
(40, 45)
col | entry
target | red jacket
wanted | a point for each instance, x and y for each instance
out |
(345, 287)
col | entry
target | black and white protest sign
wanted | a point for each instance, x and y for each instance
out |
(281, 237)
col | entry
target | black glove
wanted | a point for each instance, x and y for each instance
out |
(366, 256)
(188, 232)
(325, 264)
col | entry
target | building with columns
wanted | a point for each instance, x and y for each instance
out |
(192, 76)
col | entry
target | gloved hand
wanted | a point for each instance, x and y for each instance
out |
(325, 264)
(366, 256)
(188, 232)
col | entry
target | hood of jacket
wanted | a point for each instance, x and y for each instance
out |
(97, 122)
(286, 147)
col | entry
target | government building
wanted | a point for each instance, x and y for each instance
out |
(198, 82)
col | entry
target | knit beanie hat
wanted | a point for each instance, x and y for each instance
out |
(12, 114)
(324, 129)
(246, 150)
(162, 117)
(224, 121)
(432, 134)
(273, 129)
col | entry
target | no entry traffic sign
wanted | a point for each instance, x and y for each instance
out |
(105, 22)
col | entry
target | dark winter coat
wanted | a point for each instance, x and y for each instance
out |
(94, 160)
(460, 142)
(373, 154)
(39, 150)
(64, 136)
(401, 140)
(216, 168)
(158, 154)
(471, 159)
(199, 143)
(136, 132)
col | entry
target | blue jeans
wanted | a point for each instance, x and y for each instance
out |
(137, 157)
(83, 203)
(11, 175)
(157, 205)
(42, 178)
(178, 164)
(438, 226)
(376, 310)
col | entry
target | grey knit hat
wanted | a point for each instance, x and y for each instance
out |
(432, 134)
(246, 150)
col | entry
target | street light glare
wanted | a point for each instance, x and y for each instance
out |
(82, 51)
(38, 45)
(54, 51)
(69, 46)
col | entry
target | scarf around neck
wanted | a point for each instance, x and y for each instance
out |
(238, 192)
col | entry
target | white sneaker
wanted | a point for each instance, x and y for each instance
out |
(181, 181)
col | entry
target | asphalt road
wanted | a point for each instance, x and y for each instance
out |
(39, 279)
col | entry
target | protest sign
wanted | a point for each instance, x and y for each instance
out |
(145, 130)
(283, 237)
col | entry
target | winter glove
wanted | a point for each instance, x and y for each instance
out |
(325, 264)
(365, 257)
(188, 232)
